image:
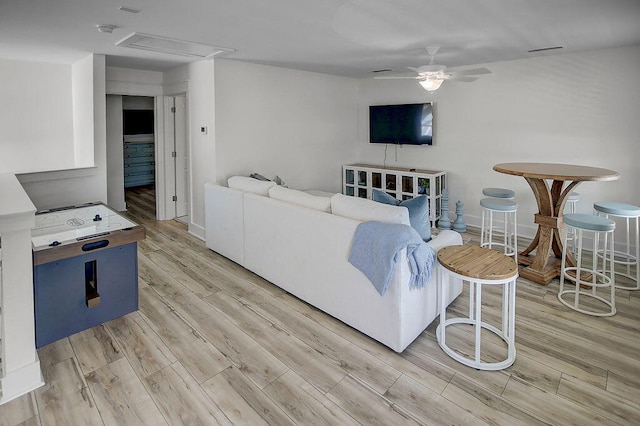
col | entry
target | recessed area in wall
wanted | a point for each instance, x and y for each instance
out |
(48, 124)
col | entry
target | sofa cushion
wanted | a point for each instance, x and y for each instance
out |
(363, 210)
(301, 198)
(418, 211)
(248, 184)
(319, 193)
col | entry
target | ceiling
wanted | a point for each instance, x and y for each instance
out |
(343, 37)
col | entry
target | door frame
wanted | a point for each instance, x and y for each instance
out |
(166, 172)
(165, 206)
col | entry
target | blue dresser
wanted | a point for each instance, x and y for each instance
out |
(139, 160)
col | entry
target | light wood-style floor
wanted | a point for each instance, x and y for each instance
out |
(213, 343)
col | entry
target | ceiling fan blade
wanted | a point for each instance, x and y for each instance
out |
(395, 77)
(466, 79)
(475, 71)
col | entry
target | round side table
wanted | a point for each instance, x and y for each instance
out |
(478, 266)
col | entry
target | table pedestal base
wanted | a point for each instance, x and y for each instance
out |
(546, 275)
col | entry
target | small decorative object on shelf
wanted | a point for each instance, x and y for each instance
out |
(458, 224)
(444, 222)
(423, 186)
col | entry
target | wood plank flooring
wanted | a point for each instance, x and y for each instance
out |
(213, 343)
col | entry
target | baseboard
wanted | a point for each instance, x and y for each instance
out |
(19, 382)
(197, 231)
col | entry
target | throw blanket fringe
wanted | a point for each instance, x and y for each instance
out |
(376, 247)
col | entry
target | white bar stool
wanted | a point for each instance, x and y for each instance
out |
(627, 258)
(573, 199)
(479, 267)
(499, 193)
(508, 208)
(587, 280)
(570, 207)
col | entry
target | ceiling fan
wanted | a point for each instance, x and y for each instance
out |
(433, 75)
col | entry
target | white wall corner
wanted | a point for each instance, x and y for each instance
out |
(83, 112)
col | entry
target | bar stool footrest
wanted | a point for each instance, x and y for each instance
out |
(609, 313)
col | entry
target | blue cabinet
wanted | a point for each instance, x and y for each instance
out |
(62, 305)
(139, 162)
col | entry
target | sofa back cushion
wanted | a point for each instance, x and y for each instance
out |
(248, 184)
(301, 198)
(363, 210)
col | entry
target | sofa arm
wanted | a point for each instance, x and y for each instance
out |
(224, 221)
(446, 238)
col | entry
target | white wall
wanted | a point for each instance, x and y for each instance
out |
(298, 125)
(71, 187)
(125, 81)
(201, 113)
(37, 117)
(572, 108)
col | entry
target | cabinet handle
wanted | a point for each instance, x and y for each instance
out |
(91, 295)
(95, 245)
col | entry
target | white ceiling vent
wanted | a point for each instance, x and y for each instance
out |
(172, 46)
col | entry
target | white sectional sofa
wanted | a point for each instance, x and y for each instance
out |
(292, 239)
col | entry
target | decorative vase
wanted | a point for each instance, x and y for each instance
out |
(458, 224)
(444, 222)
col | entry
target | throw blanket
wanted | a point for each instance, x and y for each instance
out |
(376, 247)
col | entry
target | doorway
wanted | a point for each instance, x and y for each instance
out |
(139, 147)
(157, 157)
(131, 146)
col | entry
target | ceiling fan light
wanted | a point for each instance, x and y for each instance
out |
(431, 84)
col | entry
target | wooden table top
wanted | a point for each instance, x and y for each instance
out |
(557, 171)
(477, 262)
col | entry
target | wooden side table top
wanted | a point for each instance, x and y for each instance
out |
(477, 262)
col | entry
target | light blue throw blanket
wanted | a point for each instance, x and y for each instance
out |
(376, 248)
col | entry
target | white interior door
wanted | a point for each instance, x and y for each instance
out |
(181, 157)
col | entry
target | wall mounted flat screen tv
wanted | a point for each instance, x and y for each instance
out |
(408, 124)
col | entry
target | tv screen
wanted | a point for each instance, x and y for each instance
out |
(137, 121)
(408, 124)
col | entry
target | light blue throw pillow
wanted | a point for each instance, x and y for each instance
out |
(383, 197)
(418, 211)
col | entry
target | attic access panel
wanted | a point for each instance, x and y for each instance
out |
(172, 46)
